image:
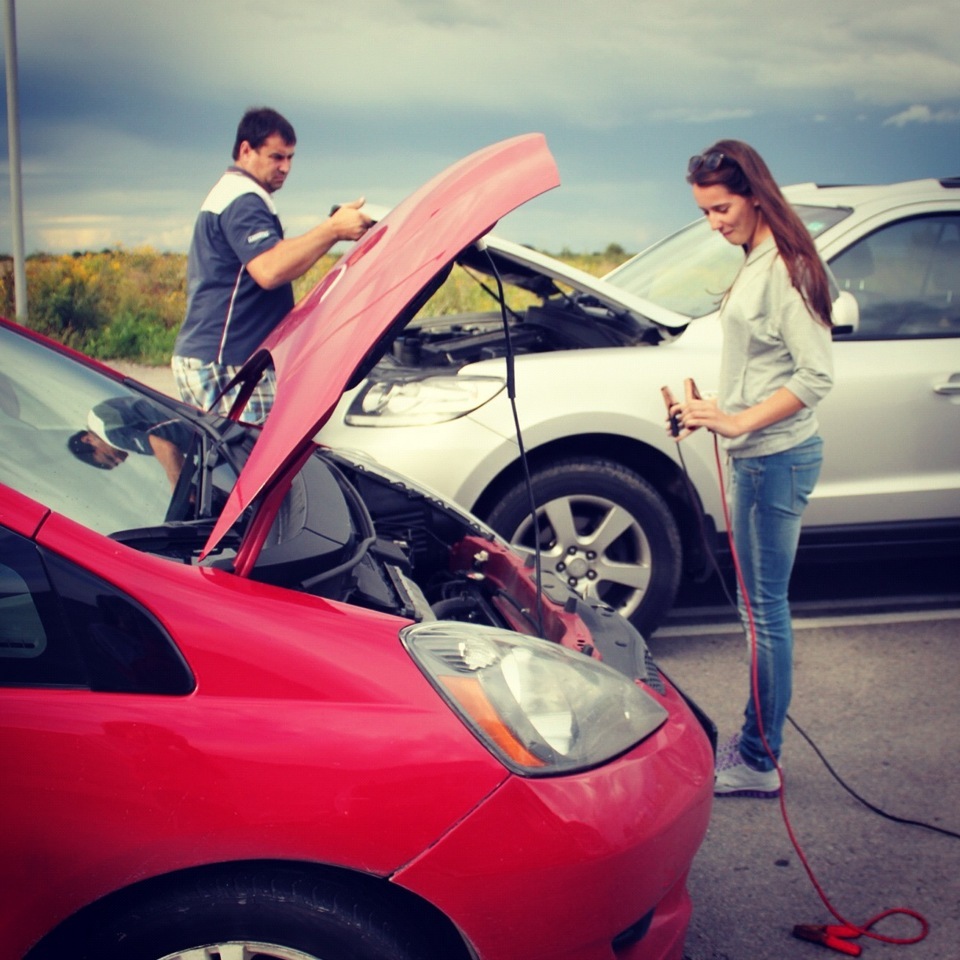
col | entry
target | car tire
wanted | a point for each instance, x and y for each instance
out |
(603, 529)
(263, 914)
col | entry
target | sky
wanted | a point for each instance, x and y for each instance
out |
(128, 110)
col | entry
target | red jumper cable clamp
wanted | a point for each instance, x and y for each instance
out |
(835, 936)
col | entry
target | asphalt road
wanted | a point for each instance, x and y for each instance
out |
(878, 695)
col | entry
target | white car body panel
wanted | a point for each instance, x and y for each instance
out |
(890, 424)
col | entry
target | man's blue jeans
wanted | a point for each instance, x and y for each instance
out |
(768, 497)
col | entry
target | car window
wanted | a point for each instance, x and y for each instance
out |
(905, 278)
(60, 626)
(48, 407)
(690, 271)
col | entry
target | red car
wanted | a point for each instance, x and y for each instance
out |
(259, 698)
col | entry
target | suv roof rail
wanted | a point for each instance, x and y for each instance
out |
(951, 183)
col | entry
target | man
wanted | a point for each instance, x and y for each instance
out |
(124, 425)
(240, 269)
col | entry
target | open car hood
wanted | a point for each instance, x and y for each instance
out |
(335, 334)
(538, 272)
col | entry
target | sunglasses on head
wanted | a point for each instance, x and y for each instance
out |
(708, 162)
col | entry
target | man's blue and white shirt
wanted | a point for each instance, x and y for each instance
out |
(228, 313)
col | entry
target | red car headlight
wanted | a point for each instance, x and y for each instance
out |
(540, 708)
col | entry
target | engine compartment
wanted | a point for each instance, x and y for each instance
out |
(555, 324)
(415, 556)
(350, 531)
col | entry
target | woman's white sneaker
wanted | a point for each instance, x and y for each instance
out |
(735, 779)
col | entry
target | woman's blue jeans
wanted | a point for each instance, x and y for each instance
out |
(768, 497)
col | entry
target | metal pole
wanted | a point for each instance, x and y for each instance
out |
(13, 136)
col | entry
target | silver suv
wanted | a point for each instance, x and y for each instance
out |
(618, 515)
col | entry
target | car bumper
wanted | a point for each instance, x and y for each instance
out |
(610, 887)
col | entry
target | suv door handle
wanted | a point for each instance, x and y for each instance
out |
(950, 388)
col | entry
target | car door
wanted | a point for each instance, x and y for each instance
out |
(892, 420)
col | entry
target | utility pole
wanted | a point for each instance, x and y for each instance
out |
(13, 138)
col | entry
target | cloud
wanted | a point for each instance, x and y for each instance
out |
(128, 110)
(586, 61)
(695, 115)
(922, 114)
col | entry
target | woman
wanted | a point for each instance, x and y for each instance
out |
(775, 367)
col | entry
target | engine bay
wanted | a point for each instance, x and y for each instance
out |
(352, 532)
(556, 324)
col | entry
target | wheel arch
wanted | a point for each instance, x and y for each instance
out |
(418, 915)
(662, 472)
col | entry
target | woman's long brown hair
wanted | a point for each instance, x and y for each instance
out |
(743, 172)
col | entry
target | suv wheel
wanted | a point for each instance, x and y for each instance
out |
(604, 530)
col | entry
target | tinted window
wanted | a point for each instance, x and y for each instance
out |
(36, 647)
(62, 626)
(906, 279)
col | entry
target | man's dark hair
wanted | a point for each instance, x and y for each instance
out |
(257, 124)
(81, 450)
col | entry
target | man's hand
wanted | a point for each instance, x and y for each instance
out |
(349, 222)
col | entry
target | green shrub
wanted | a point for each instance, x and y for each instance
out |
(143, 338)
(113, 304)
(128, 305)
(65, 298)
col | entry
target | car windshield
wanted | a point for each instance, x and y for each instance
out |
(690, 270)
(83, 444)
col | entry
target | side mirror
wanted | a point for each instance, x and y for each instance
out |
(846, 314)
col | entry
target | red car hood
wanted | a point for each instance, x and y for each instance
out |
(336, 332)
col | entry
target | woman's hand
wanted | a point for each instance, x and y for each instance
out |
(695, 412)
(684, 418)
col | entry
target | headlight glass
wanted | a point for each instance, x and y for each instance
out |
(397, 403)
(540, 708)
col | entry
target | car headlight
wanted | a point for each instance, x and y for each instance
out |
(539, 707)
(399, 403)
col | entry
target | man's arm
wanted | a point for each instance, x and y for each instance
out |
(290, 259)
(169, 456)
